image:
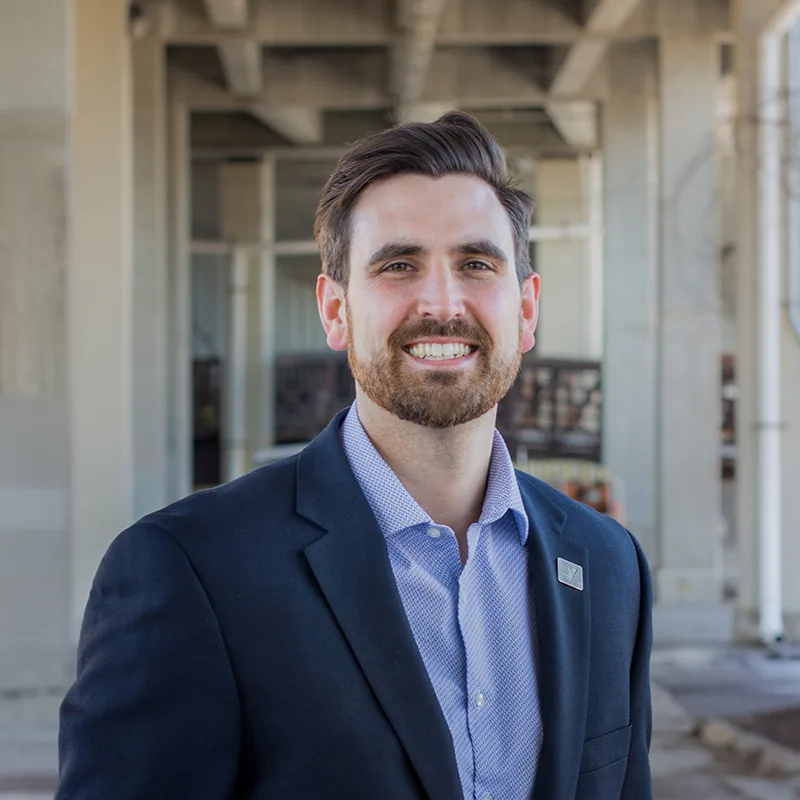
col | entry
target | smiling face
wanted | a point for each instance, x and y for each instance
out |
(434, 318)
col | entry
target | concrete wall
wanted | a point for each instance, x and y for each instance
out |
(564, 330)
(66, 215)
(35, 116)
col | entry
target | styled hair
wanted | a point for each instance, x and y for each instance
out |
(456, 144)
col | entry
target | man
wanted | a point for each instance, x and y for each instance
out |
(393, 614)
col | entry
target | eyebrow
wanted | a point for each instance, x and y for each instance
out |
(481, 247)
(396, 250)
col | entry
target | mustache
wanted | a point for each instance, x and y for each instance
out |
(470, 332)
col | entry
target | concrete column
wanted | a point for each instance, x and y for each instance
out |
(266, 306)
(150, 279)
(690, 568)
(566, 314)
(592, 180)
(247, 212)
(36, 110)
(630, 356)
(790, 364)
(100, 290)
(750, 20)
(179, 360)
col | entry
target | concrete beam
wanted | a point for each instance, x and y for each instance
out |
(464, 23)
(227, 13)
(241, 61)
(240, 57)
(298, 124)
(423, 112)
(322, 79)
(576, 121)
(411, 60)
(606, 18)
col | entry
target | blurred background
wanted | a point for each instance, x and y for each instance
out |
(160, 164)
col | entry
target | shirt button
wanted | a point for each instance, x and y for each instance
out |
(434, 533)
(480, 700)
(462, 596)
(487, 796)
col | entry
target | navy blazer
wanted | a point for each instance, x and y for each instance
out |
(249, 642)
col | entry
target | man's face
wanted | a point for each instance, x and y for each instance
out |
(434, 319)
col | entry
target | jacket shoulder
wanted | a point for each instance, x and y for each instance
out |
(600, 534)
(266, 493)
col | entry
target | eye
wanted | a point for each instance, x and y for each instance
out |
(478, 266)
(398, 266)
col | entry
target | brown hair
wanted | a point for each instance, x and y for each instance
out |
(455, 144)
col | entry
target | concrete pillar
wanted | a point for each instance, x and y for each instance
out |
(179, 359)
(100, 290)
(36, 109)
(630, 356)
(267, 300)
(248, 218)
(592, 181)
(566, 313)
(150, 279)
(790, 363)
(690, 569)
(750, 20)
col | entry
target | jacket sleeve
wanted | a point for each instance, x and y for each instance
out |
(638, 784)
(154, 710)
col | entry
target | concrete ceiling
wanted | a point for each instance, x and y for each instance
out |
(305, 72)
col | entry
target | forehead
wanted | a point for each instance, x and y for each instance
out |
(430, 211)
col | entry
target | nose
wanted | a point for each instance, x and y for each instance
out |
(441, 294)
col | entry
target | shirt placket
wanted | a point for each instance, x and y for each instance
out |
(477, 695)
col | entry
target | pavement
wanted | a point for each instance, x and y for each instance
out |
(698, 751)
(696, 754)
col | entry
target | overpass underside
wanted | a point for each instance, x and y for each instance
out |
(159, 168)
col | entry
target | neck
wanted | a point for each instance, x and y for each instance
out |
(444, 470)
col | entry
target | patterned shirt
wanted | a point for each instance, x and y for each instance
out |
(475, 627)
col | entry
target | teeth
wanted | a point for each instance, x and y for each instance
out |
(440, 352)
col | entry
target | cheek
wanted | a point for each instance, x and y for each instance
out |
(384, 311)
(371, 326)
(499, 313)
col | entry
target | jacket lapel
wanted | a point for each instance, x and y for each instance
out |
(563, 631)
(351, 565)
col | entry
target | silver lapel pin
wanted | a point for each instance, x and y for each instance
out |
(570, 574)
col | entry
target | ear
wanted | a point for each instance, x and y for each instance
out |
(530, 311)
(332, 311)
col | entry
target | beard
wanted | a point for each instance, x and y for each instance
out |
(435, 398)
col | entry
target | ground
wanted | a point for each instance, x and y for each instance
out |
(735, 683)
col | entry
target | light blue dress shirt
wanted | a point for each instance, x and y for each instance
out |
(475, 628)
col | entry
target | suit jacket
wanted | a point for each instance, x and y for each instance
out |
(250, 642)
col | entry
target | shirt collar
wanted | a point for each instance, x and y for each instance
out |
(396, 510)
